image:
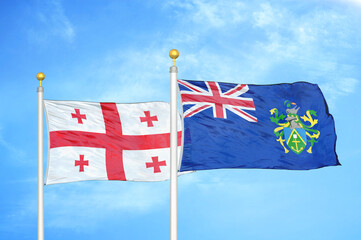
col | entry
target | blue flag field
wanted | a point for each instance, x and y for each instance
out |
(280, 126)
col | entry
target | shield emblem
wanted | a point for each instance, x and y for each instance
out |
(296, 139)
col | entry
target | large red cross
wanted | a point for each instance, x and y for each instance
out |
(113, 140)
(79, 116)
(149, 119)
(217, 100)
(155, 164)
(81, 163)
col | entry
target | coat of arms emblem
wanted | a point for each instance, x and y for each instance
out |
(291, 130)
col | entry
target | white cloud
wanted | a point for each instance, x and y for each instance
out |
(13, 152)
(313, 44)
(267, 16)
(210, 13)
(290, 38)
(306, 41)
(70, 205)
(348, 85)
(338, 87)
(356, 3)
(52, 22)
(134, 75)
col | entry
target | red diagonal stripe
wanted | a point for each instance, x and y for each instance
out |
(246, 114)
(238, 88)
(197, 110)
(189, 86)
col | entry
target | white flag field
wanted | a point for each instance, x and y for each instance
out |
(108, 141)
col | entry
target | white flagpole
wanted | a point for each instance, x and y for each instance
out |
(173, 148)
(40, 76)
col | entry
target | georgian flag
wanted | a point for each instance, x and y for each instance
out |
(108, 141)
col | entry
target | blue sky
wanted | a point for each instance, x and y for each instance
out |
(118, 51)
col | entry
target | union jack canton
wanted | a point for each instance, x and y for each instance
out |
(212, 96)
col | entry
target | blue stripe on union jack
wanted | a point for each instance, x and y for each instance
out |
(219, 101)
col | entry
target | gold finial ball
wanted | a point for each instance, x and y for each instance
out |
(173, 53)
(40, 76)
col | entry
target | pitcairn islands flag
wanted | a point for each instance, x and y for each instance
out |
(280, 126)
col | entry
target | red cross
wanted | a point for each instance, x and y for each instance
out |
(113, 140)
(155, 164)
(81, 163)
(79, 116)
(149, 119)
(217, 100)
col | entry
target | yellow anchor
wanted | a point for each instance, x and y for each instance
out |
(295, 142)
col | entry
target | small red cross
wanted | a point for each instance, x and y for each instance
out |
(79, 116)
(81, 163)
(155, 164)
(149, 119)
